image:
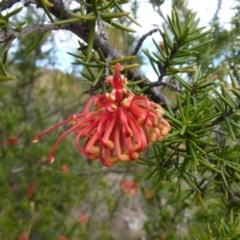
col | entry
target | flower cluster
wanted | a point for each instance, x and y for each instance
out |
(149, 194)
(65, 168)
(83, 219)
(129, 187)
(31, 189)
(117, 126)
(11, 141)
(22, 237)
(62, 237)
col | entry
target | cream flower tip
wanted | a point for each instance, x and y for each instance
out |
(112, 108)
(51, 159)
(112, 97)
(140, 121)
(74, 122)
(118, 67)
(135, 156)
(108, 80)
(164, 131)
(136, 147)
(109, 144)
(160, 138)
(155, 122)
(94, 150)
(35, 140)
(127, 133)
(93, 157)
(153, 137)
(124, 157)
(160, 111)
(113, 160)
(126, 102)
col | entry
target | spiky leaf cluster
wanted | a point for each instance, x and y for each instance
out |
(205, 123)
(202, 148)
(223, 229)
(6, 23)
(177, 53)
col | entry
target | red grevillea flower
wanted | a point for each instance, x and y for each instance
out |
(65, 168)
(129, 187)
(83, 219)
(31, 189)
(62, 237)
(11, 141)
(22, 237)
(149, 194)
(120, 126)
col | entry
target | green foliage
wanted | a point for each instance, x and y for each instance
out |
(178, 47)
(204, 112)
(224, 230)
(187, 185)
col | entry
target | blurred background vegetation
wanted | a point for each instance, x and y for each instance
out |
(77, 199)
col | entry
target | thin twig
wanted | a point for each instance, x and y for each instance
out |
(223, 116)
(8, 4)
(164, 84)
(101, 27)
(141, 40)
(14, 33)
(157, 9)
(215, 16)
